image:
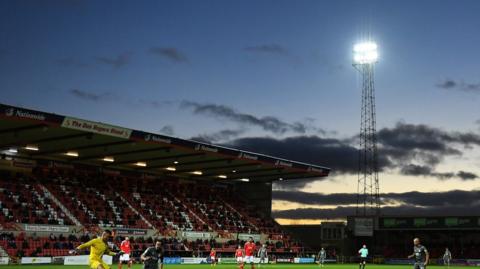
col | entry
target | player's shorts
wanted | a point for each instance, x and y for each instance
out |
(95, 263)
(249, 259)
(239, 259)
(322, 260)
(419, 265)
(363, 260)
(125, 257)
(212, 259)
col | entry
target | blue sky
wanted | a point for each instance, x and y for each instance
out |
(135, 63)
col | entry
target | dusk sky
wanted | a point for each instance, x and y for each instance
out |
(272, 77)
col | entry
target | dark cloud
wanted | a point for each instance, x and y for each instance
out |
(344, 211)
(91, 96)
(420, 170)
(107, 96)
(333, 153)
(416, 170)
(314, 213)
(459, 85)
(220, 136)
(169, 53)
(116, 62)
(413, 149)
(407, 143)
(454, 202)
(466, 175)
(268, 123)
(167, 130)
(447, 84)
(455, 198)
(309, 198)
(267, 48)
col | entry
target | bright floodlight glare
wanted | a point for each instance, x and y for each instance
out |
(365, 53)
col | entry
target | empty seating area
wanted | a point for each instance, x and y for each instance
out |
(113, 201)
(99, 205)
(205, 202)
(22, 200)
(161, 210)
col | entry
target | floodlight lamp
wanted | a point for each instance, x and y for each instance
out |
(365, 53)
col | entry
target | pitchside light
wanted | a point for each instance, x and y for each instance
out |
(72, 153)
(109, 159)
(365, 53)
(31, 147)
(141, 164)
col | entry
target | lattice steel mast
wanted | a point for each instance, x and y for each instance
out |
(368, 192)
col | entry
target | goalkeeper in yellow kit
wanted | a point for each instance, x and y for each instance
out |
(98, 247)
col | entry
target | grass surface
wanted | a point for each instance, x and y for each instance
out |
(232, 266)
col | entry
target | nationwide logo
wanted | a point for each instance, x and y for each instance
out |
(24, 114)
(247, 156)
(9, 112)
(205, 148)
(156, 138)
(282, 163)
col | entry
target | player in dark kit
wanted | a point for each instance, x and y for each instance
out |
(420, 253)
(153, 257)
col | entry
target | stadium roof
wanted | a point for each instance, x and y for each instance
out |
(35, 135)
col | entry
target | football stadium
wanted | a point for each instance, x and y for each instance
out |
(66, 180)
(224, 134)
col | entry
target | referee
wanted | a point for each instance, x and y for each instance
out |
(363, 256)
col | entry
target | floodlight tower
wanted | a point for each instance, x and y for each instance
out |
(368, 196)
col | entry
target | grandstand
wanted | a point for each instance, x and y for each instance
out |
(64, 179)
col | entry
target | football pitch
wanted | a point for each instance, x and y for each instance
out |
(231, 266)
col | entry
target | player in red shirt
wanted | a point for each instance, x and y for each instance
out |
(249, 252)
(239, 256)
(125, 257)
(213, 257)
